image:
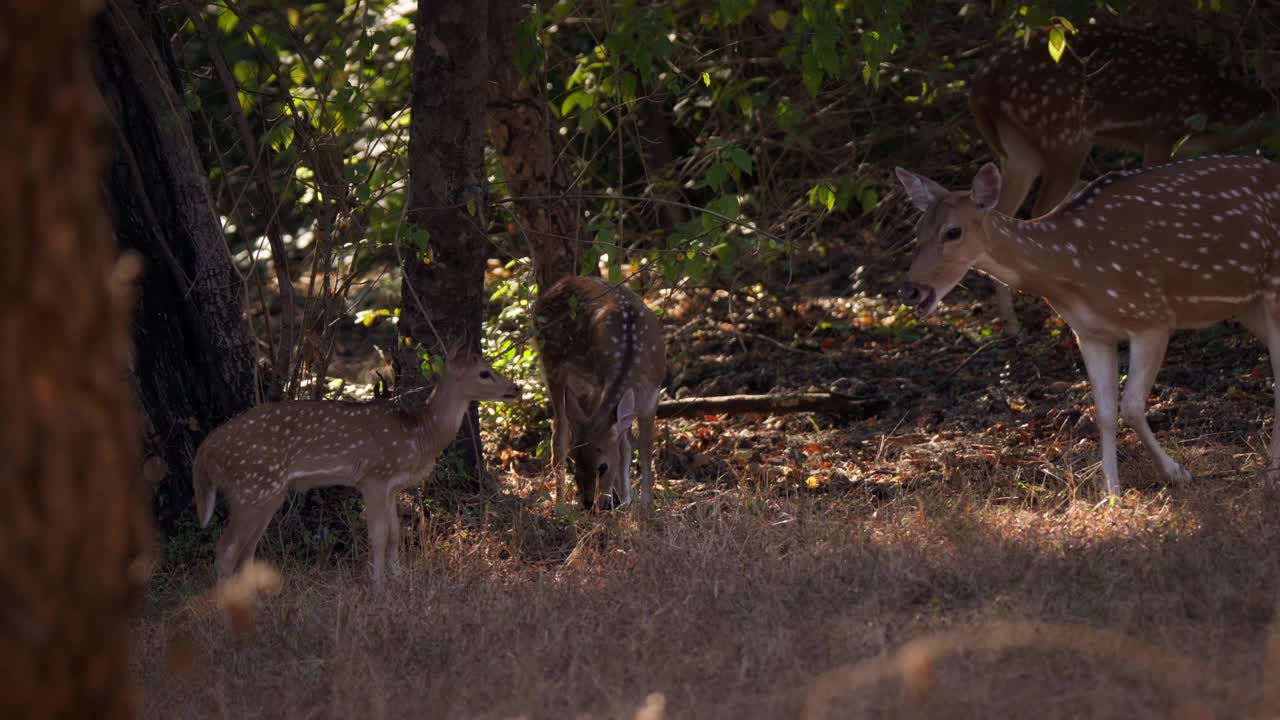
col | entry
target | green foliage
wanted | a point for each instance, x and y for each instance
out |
(325, 90)
(710, 142)
(507, 347)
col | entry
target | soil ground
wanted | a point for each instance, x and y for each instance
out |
(949, 557)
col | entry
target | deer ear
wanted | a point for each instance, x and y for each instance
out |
(573, 409)
(986, 187)
(921, 189)
(626, 412)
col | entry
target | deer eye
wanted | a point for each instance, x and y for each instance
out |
(485, 375)
(952, 233)
(604, 468)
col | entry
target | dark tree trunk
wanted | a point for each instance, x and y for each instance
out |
(194, 366)
(442, 295)
(524, 136)
(74, 532)
(658, 151)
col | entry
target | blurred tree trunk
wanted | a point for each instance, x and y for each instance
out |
(74, 533)
(194, 365)
(524, 136)
(442, 294)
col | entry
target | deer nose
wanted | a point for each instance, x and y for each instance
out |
(912, 294)
(607, 502)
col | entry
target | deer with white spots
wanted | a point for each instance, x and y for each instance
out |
(376, 447)
(603, 359)
(1135, 255)
(1120, 88)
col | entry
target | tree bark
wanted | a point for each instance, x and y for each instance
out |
(779, 404)
(74, 532)
(524, 137)
(194, 366)
(442, 294)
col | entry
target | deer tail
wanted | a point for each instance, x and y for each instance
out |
(206, 491)
(625, 355)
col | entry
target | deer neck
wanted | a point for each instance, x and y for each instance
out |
(1020, 252)
(439, 419)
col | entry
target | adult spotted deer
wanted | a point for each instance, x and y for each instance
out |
(1120, 88)
(1133, 256)
(376, 447)
(603, 360)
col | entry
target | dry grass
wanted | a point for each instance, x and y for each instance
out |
(941, 602)
(947, 559)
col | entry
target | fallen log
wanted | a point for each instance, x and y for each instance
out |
(774, 404)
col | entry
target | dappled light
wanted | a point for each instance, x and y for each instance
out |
(581, 359)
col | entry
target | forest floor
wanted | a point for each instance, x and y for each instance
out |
(949, 557)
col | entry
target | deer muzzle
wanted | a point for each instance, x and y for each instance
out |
(921, 297)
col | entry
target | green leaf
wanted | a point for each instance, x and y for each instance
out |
(577, 99)
(432, 365)
(824, 195)
(227, 22)
(527, 53)
(282, 135)
(726, 205)
(244, 70)
(1057, 43)
(870, 199)
(779, 19)
(739, 158)
(716, 177)
(419, 240)
(811, 71)
(706, 79)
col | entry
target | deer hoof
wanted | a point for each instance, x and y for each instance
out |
(1179, 475)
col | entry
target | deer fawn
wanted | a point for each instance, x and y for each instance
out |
(376, 447)
(1114, 87)
(603, 360)
(1133, 256)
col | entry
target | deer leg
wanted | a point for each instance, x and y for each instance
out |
(623, 492)
(393, 534)
(1146, 354)
(1273, 349)
(240, 539)
(1020, 167)
(227, 556)
(1100, 360)
(559, 438)
(1059, 179)
(375, 511)
(1264, 322)
(645, 440)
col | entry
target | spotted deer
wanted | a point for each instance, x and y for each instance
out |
(1115, 87)
(603, 360)
(1135, 255)
(376, 447)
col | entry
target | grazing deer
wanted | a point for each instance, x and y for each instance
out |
(376, 447)
(1135, 255)
(603, 360)
(1119, 88)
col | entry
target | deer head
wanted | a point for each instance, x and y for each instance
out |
(950, 234)
(602, 451)
(469, 375)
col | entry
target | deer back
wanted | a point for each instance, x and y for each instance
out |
(1113, 85)
(598, 339)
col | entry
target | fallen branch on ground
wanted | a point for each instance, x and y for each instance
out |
(778, 404)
